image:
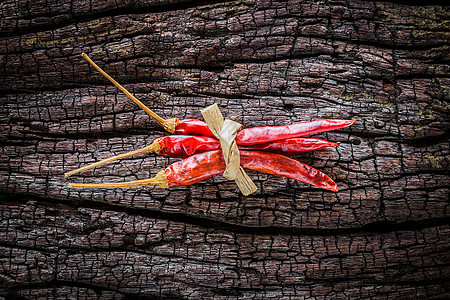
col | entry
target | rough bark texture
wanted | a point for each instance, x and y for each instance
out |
(385, 234)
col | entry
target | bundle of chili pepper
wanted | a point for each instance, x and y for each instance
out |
(202, 157)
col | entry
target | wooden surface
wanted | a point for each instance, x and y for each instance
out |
(385, 234)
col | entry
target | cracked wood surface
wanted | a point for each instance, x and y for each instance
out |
(385, 234)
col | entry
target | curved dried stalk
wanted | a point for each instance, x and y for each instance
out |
(168, 124)
(154, 147)
(160, 179)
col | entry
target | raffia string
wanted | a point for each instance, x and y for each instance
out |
(226, 131)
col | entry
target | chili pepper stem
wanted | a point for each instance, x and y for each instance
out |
(160, 179)
(170, 125)
(154, 147)
(164, 123)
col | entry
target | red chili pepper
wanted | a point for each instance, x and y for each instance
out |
(248, 136)
(281, 165)
(266, 134)
(182, 146)
(292, 146)
(195, 168)
(192, 127)
(201, 166)
(261, 135)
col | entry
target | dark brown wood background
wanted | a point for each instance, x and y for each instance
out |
(385, 234)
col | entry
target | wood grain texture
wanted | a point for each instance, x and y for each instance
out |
(385, 234)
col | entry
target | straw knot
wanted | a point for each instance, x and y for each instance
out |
(225, 131)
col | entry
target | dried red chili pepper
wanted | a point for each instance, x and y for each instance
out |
(292, 146)
(201, 166)
(247, 136)
(192, 127)
(261, 135)
(281, 165)
(266, 134)
(182, 146)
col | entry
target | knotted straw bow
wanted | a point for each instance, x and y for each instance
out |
(226, 131)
